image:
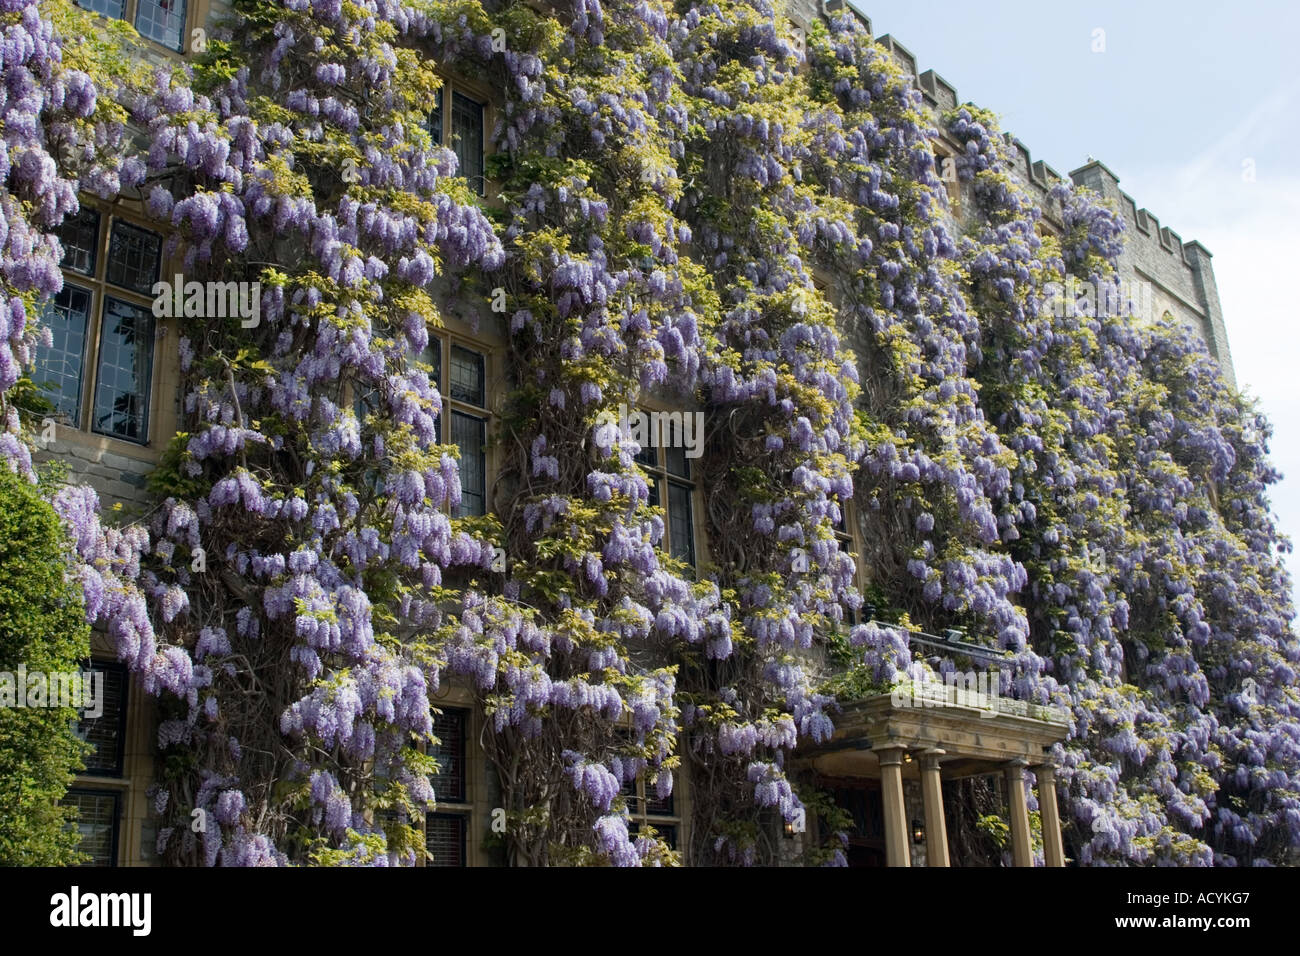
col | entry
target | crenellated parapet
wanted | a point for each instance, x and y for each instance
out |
(1177, 276)
(1181, 274)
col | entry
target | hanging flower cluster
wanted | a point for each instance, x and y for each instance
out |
(60, 131)
(1138, 483)
(932, 467)
(603, 313)
(304, 556)
(694, 211)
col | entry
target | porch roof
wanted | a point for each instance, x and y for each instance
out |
(974, 740)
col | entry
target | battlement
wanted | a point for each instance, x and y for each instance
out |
(1180, 273)
(1143, 223)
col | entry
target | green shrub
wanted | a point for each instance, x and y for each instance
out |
(42, 625)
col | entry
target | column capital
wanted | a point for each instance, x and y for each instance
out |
(891, 755)
(1016, 766)
(930, 757)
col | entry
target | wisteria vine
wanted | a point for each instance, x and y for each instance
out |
(692, 209)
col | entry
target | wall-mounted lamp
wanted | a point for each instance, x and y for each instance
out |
(918, 832)
(907, 758)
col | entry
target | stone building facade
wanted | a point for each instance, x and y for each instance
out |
(115, 377)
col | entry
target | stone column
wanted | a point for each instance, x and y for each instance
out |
(936, 830)
(897, 852)
(1022, 853)
(1053, 848)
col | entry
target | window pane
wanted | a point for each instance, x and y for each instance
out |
(680, 528)
(653, 485)
(365, 399)
(667, 832)
(654, 806)
(678, 463)
(435, 119)
(105, 733)
(444, 838)
(133, 257)
(467, 434)
(467, 137)
(162, 21)
(80, 238)
(449, 781)
(673, 437)
(109, 8)
(97, 823)
(57, 370)
(125, 366)
(433, 355)
(467, 378)
(648, 456)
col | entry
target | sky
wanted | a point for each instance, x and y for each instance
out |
(1195, 106)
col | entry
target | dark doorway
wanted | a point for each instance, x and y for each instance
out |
(861, 799)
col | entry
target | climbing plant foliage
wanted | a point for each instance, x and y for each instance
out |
(43, 631)
(691, 205)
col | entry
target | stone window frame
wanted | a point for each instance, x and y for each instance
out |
(195, 15)
(445, 340)
(123, 784)
(661, 478)
(454, 85)
(100, 289)
(951, 187)
(667, 822)
(461, 808)
(124, 703)
(847, 534)
(441, 342)
(119, 801)
(468, 808)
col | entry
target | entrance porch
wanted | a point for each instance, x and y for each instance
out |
(892, 738)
